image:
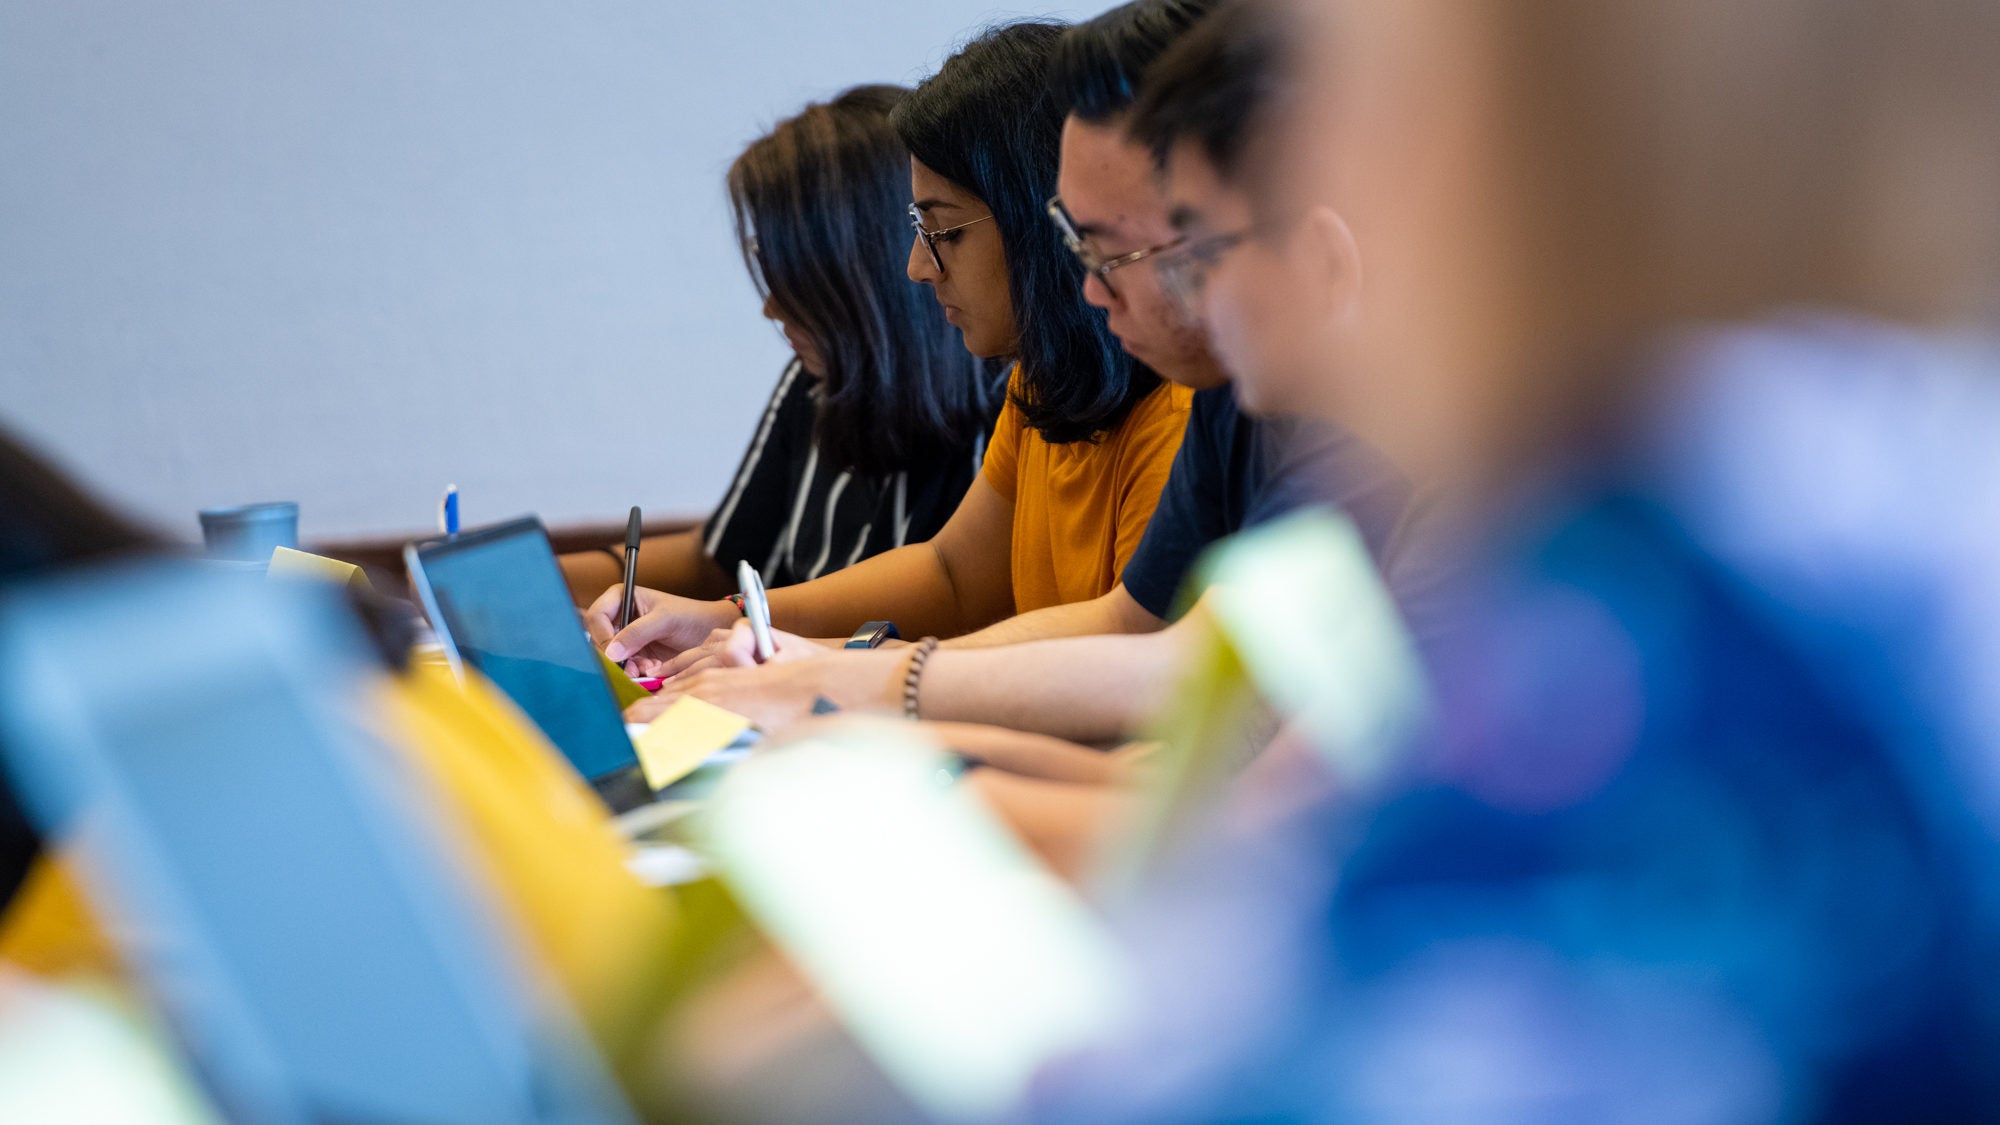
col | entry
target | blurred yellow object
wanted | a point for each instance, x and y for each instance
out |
(1212, 725)
(547, 843)
(1294, 626)
(49, 931)
(623, 686)
(539, 834)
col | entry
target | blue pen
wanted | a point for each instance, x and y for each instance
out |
(448, 510)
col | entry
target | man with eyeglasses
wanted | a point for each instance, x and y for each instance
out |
(1274, 283)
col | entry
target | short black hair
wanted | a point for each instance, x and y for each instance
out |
(818, 203)
(1100, 62)
(1216, 87)
(990, 122)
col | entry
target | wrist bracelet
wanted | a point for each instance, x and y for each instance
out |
(615, 556)
(737, 601)
(919, 655)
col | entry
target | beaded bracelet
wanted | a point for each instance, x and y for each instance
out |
(919, 654)
(737, 601)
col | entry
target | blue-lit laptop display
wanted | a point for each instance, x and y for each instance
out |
(498, 599)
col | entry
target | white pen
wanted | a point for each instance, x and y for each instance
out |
(757, 608)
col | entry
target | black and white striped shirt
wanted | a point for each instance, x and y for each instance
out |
(796, 519)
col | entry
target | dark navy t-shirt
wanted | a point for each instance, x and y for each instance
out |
(1235, 471)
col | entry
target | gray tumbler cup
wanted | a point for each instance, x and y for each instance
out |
(249, 533)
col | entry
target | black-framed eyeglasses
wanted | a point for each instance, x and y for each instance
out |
(1184, 273)
(931, 238)
(1095, 264)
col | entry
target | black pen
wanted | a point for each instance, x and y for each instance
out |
(626, 607)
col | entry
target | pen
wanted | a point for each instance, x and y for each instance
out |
(626, 606)
(757, 608)
(448, 510)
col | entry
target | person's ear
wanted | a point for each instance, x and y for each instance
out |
(1334, 259)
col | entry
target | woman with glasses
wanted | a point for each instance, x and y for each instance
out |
(1086, 437)
(879, 423)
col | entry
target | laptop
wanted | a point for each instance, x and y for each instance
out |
(296, 916)
(498, 603)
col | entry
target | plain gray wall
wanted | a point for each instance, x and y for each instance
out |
(348, 252)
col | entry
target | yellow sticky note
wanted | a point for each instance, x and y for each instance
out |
(683, 737)
(623, 686)
(287, 563)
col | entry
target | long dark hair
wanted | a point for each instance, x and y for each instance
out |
(819, 207)
(990, 122)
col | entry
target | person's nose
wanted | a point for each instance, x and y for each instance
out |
(922, 268)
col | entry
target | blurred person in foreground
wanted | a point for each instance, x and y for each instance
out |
(1683, 314)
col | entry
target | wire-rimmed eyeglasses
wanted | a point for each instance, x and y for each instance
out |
(931, 238)
(1184, 273)
(1096, 264)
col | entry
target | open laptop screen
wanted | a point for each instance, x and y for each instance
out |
(507, 611)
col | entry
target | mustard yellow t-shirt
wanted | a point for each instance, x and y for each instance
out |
(1081, 508)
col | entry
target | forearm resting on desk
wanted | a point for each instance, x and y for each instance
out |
(909, 586)
(1088, 689)
(1036, 755)
(1114, 613)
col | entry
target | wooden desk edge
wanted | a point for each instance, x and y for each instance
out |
(382, 556)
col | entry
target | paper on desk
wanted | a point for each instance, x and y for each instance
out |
(683, 737)
(623, 686)
(287, 563)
